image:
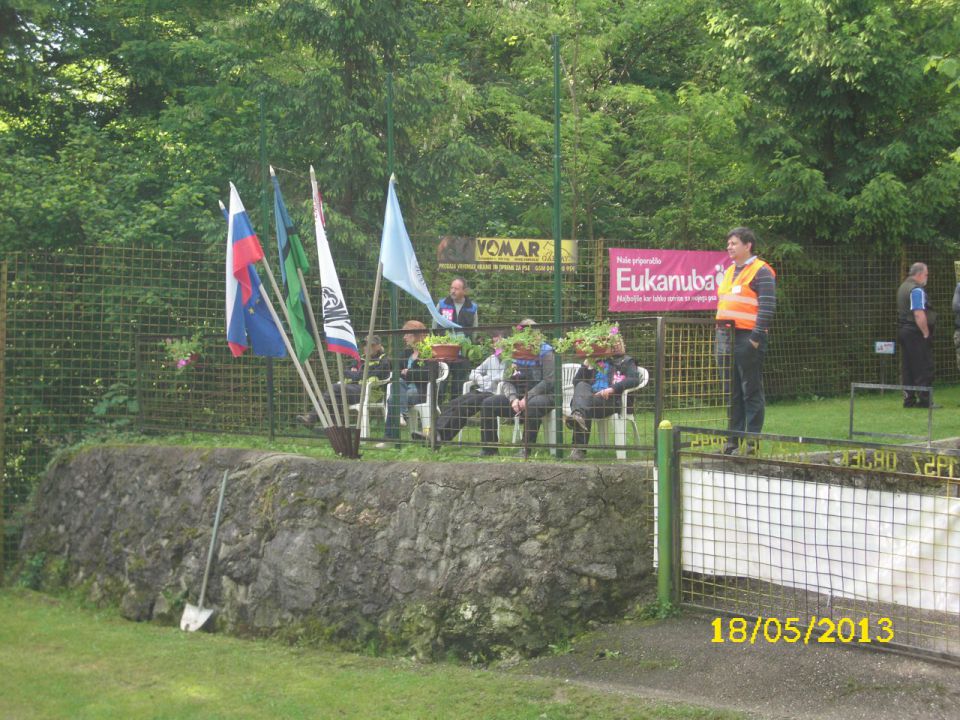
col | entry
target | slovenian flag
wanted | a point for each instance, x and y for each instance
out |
(249, 322)
(336, 318)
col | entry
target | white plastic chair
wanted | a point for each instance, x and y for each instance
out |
(368, 405)
(617, 422)
(421, 414)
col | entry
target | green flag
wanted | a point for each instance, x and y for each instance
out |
(292, 258)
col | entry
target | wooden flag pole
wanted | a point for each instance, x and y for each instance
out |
(316, 337)
(290, 350)
(366, 364)
(323, 359)
(325, 417)
(326, 421)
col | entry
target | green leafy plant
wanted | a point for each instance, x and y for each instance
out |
(426, 345)
(527, 339)
(182, 353)
(116, 407)
(601, 337)
(475, 349)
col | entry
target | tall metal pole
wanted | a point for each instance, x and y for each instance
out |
(392, 429)
(557, 241)
(265, 220)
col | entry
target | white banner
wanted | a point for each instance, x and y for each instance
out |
(870, 545)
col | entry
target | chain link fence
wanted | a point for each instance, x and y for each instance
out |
(86, 341)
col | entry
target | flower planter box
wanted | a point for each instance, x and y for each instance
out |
(443, 351)
(524, 353)
(583, 350)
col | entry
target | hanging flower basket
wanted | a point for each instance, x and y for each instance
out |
(523, 352)
(601, 339)
(583, 349)
(445, 351)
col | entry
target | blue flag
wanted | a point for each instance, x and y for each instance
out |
(249, 322)
(400, 264)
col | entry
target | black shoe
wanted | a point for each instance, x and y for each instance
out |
(417, 436)
(489, 452)
(578, 454)
(729, 449)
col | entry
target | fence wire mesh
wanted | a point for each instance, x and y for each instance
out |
(86, 329)
(855, 543)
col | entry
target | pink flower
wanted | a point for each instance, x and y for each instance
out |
(614, 330)
(182, 363)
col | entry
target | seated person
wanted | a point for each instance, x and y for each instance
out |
(455, 414)
(597, 388)
(414, 374)
(353, 376)
(527, 393)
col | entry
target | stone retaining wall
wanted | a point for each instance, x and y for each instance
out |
(479, 560)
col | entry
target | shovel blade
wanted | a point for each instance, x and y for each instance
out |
(194, 618)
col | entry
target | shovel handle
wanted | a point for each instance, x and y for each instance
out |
(213, 538)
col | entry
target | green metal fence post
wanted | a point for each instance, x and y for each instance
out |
(666, 584)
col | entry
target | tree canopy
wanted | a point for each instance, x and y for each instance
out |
(815, 120)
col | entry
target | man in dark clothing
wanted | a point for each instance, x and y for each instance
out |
(379, 368)
(527, 392)
(915, 321)
(746, 299)
(597, 389)
(459, 308)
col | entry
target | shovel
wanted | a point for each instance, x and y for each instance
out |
(195, 617)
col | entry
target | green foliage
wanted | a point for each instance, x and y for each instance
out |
(32, 573)
(474, 349)
(527, 338)
(116, 406)
(182, 353)
(604, 336)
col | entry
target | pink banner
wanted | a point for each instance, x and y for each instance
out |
(665, 280)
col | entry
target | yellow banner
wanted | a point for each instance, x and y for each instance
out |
(516, 254)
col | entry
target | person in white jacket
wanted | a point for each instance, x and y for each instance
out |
(454, 414)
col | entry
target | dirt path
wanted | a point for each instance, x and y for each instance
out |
(675, 660)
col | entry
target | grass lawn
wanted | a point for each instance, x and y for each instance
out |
(875, 412)
(59, 660)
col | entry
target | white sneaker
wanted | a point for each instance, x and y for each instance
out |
(403, 421)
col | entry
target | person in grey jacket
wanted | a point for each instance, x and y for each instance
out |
(527, 393)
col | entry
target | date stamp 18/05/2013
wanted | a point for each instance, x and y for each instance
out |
(739, 630)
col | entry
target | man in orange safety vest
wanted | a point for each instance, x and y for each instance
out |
(746, 302)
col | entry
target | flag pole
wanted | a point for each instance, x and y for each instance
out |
(306, 363)
(289, 347)
(323, 358)
(309, 368)
(324, 419)
(366, 349)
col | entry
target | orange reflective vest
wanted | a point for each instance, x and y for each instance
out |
(737, 302)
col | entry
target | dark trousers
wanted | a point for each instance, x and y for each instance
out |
(591, 407)
(747, 402)
(499, 406)
(917, 367)
(455, 414)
